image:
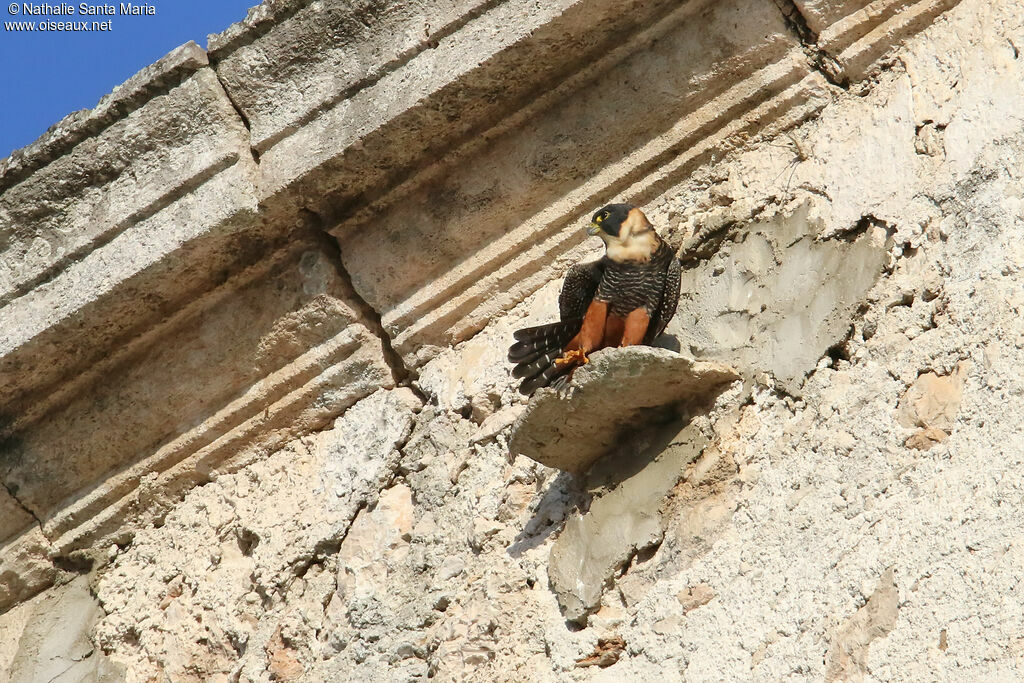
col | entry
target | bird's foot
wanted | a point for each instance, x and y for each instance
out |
(574, 356)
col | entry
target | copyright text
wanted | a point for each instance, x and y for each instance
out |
(63, 9)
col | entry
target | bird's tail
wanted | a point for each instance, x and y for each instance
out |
(535, 351)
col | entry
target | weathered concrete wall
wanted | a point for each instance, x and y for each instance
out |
(256, 411)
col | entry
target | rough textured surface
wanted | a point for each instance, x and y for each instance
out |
(365, 104)
(174, 67)
(299, 354)
(271, 321)
(264, 534)
(174, 170)
(13, 516)
(820, 14)
(619, 391)
(25, 565)
(847, 658)
(266, 64)
(849, 209)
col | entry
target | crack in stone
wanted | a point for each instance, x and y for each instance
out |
(12, 492)
(819, 58)
(238, 110)
(402, 375)
(69, 667)
(332, 546)
(860, 228)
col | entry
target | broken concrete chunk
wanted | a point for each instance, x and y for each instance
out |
(626, 519)
(55, 641)
(25, 567)
(847, 657)
(606, 653)
(781, 295)
(620, 390)
(695, 596)
(924, 439)
(933, 401)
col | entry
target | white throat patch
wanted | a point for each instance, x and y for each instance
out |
(634, 248)
(637, 240)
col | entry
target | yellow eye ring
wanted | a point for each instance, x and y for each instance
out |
(599, 219)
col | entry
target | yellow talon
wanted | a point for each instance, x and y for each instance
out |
(577, 356)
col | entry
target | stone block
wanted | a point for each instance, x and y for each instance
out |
(346, 100)
(25, 566)
(820, 14)
(274, 352)
(860, 40)
(287, 62)
(618, 391)
(12, 623)
(107, 183)
(13, 517)
(172, 68)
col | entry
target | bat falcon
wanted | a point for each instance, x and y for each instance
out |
(626, 297)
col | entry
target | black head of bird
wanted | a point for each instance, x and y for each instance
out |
(627, 234)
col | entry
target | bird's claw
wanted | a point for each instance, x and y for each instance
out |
(566, 391)
(574, 356)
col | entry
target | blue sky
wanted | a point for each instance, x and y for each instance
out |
(46, 75)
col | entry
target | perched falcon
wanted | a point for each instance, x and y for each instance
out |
(625, 298)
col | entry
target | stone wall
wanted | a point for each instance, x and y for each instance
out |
(255, 413)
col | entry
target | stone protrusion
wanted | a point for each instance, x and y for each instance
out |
(847, 658)
(624, 518)
(933, 400)
(778, 298)
(619, 391)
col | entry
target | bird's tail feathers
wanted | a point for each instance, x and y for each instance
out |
(552, 375)
(532, 342)
(536, 350)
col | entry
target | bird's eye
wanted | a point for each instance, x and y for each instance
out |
(600, 217)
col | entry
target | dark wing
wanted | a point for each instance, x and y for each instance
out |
(669, 301)
(536, 348)
(579, 288)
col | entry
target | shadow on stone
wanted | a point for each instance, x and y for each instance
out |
(570, 494)
(632, 456)
(564, 496)
(667, 341)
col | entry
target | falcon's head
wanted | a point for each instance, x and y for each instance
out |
(627, 234)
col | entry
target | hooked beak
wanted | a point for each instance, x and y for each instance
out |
(593, 229)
